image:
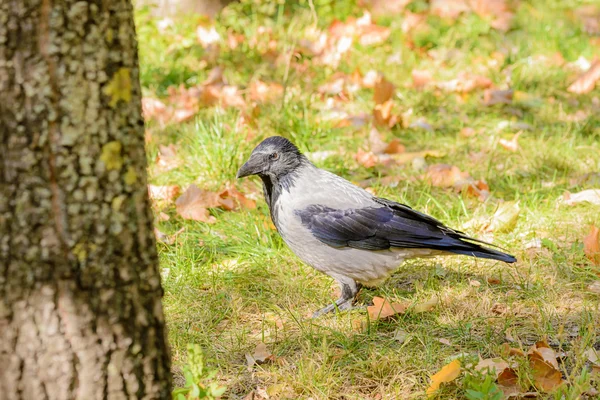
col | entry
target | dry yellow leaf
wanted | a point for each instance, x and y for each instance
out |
(447, 374)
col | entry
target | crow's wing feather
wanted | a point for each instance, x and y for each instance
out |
(387, 225)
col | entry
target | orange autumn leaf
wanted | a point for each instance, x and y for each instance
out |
(382, 309)
(586, 82)
(230, 199)
(167, 159)
(421, 78)
(444, 175)
(194, 204)
(591, 245)
(448, 373)
(263, 92)
(383, 90)
(383, 115)
(366, 158)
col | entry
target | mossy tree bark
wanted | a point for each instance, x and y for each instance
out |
(80, 293)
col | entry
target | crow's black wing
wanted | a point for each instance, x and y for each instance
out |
(390, 225)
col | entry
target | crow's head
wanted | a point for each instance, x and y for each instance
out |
(274, 157)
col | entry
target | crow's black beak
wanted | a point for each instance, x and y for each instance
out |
(252, 167)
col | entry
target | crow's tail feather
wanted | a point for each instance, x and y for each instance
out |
(482, 252)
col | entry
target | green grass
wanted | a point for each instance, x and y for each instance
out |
(230, 285)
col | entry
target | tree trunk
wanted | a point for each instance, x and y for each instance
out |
(80, 294)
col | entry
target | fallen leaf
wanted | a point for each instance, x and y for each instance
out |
(511, 145)
(261, 355)
(542, 360)
(155, 109)
(373, 34)
(494, 366)
(383, 90)
(421, 78)
(265, 92)
(447, 374)
(586, 82)
(593, 356)
(382, 309)
(400, 335)
(445, 176)
(167, 158)
(449, 8)
(367, 159)
(230, 199)
(445, 341)
(498, 308)
(589, 195)
(465, 83)
(194, 204)
(168, 192)
(426, 306)
(412, 21)
(379, 146)
(495, 96)
(383, 115)
(505, 218)
(474, 283)
(508, 382)
(591, 245)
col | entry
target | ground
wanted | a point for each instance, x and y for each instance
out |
(231, 283)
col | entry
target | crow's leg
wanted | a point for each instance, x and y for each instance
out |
(349, 290)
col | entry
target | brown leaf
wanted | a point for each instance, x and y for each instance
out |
(421, 78)
(591, 245)
(496, 10)
(448, 373)
(264, 92)
(383, 115)
(586, 82)
(230, 199)
(373, 34)
(444, 175)
(465, 83)
(194, 204)
(495, 366)
(155, 109)
(378, 146)
(168, 192)
(495, 96)
(382, 309)
(383, 90)
(261, 355)
(366, 158)
(412, 21)
(546, 373)
(404, 158)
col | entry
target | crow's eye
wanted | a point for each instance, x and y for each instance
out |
(273, 156)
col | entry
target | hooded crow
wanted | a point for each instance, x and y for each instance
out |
(343, 230)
